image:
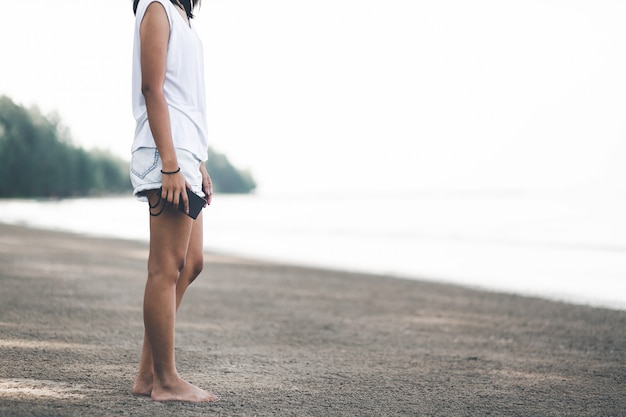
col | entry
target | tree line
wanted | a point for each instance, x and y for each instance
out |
(38, 159)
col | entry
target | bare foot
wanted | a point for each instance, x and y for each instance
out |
(183, 391)
(143, 385)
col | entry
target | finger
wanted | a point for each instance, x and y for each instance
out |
(205, 190)
(185, 201)
(186, 196)
(174, 199)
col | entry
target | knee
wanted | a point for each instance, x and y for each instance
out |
(194, 263)
(195, 266)
(165, 269)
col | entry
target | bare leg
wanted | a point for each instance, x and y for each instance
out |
(194, 262)
(193, 266)
(143, 382)
(170, 237)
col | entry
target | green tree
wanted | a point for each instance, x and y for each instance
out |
(226, 178)
(38, 159)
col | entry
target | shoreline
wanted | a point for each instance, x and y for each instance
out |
(478, 250)
(592, 302)
(278, 339)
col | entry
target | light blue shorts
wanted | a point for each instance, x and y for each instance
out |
(145, 170)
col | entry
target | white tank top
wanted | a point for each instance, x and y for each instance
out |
(183, 87)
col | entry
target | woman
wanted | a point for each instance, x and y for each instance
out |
(168, 155)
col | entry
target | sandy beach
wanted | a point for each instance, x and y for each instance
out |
(276, 340)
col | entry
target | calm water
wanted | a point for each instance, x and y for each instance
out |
(569, 247)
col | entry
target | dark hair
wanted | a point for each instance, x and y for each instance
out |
(188, 5)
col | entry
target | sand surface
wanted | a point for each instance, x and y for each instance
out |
(277, 340)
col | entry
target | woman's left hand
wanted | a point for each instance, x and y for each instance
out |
(207, 185)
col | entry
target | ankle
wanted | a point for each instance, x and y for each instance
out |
(166, 380)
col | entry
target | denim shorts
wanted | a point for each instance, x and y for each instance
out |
(145, 170)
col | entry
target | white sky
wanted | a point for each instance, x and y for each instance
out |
(357, 94)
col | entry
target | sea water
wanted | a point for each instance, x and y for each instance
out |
(563, 246)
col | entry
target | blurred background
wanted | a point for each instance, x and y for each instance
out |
(479, 142)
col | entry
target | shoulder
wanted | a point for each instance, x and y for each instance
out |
(144, 5)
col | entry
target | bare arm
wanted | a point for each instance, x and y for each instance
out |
(154, 36)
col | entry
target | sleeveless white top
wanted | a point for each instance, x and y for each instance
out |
(183, 87)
